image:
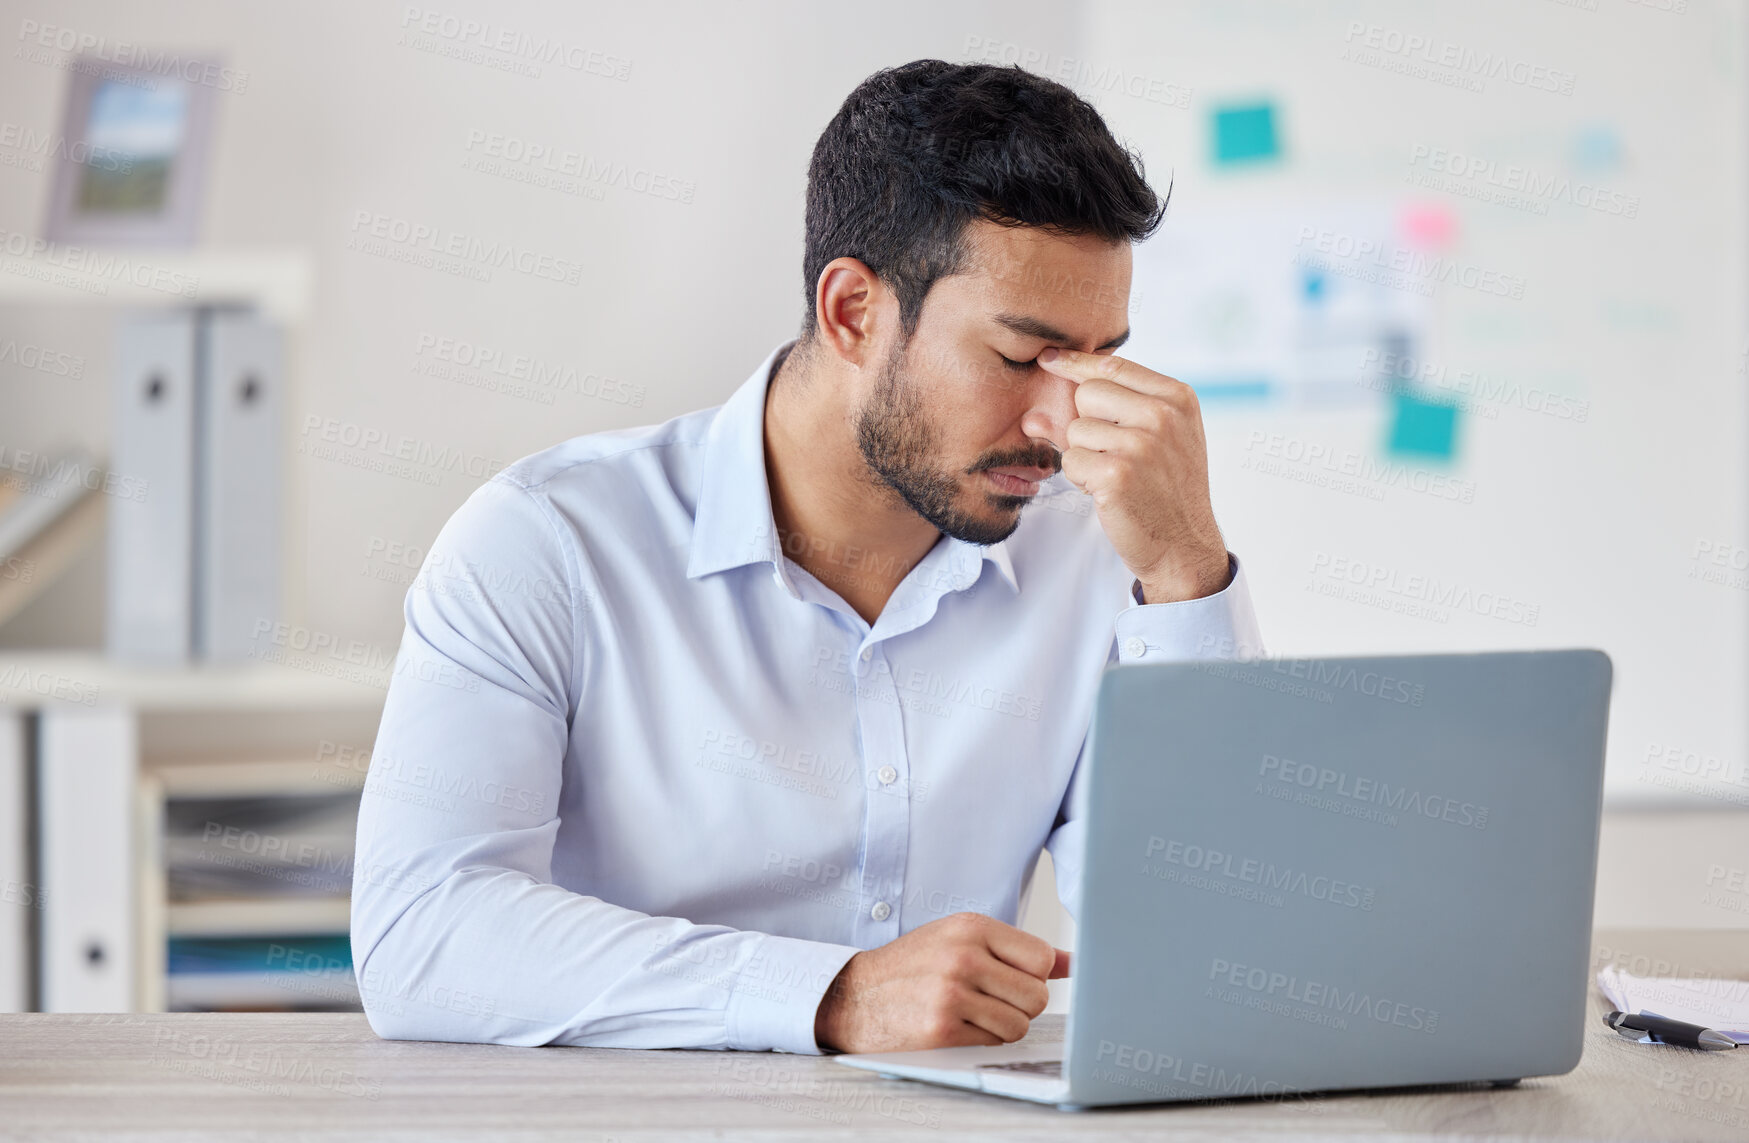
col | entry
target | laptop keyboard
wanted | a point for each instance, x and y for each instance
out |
(1052, 1068)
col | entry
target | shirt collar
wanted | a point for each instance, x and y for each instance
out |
(733, 524)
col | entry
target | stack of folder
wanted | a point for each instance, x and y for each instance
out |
(259, 974)
(258, 886)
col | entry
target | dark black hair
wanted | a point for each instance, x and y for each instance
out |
(918, 151)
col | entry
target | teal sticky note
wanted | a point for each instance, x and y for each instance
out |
(1245, 134)
(1597, 148)
(1423, 428)
(1232, 388)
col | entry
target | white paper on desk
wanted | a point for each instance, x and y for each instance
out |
(1711, 1002)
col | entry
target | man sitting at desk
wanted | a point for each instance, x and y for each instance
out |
(745, 730)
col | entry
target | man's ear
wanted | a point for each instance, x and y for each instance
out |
(850, 304)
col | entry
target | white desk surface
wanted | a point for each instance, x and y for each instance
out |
(326, 1076)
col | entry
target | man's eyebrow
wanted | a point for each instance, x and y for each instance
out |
(1032, 327)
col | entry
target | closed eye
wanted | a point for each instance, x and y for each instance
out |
(1017, 366)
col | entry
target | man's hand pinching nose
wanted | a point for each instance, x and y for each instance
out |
(964, 980)
(1136, 447)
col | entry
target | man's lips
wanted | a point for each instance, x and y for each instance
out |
(1018, 480)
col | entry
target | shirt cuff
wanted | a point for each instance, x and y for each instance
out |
(1218, 626)
(778, 993)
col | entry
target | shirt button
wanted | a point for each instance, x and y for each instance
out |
(1134, 647)
(887, 775)
(881, 911)
(867, 652)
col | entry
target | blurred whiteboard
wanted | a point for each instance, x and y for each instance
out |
(1295, 307)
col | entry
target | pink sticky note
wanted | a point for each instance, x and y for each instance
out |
(1428, 224)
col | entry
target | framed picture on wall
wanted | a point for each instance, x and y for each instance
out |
(133, 165)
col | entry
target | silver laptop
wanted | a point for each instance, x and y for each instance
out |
(1316, 875)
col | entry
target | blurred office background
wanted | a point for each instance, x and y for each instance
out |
(1462, 286)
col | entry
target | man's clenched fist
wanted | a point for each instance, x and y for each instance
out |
(964, 980)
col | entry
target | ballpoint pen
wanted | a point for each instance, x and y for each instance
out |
(1634, 1025)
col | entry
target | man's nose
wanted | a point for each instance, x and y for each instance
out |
(1050, 410)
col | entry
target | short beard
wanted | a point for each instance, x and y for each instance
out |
(898, 442)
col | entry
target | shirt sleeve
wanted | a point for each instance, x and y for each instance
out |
(1218, 626)
(458, 931)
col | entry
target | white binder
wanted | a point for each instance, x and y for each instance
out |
(194, 547)
(237, 483)
(86, 761)
(20, 896)
(151, 530)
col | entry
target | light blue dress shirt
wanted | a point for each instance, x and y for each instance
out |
(642, 781)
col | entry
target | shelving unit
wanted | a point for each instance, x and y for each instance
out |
(90, 748)
(102, 749)
(251, 862)
(276, 280)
